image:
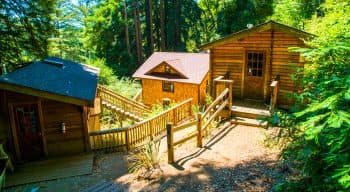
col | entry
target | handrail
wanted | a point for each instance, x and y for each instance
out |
(109, 91)
(138, 96)
(122, 102)
(216, 101)
(142, 131)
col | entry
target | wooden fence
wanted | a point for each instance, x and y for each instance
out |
(122, 102)
(141, 132)
(202, 122)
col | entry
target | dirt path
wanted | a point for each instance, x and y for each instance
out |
(233, 160)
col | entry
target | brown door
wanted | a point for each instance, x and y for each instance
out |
(254, 75)
(28, 131)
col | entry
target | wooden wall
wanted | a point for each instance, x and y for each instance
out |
(152, 92)
(229, 59)
(72, 142)
(53, 113)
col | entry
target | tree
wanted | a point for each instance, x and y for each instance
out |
(320, 150)
(149, 26)
(25, 27)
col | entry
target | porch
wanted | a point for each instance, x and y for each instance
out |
(50, 169)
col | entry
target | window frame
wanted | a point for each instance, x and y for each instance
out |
(168, 86)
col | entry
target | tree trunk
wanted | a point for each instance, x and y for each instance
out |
(177, 31)
(149, 28)
(162, 25)
(138, 33)
(126, 30)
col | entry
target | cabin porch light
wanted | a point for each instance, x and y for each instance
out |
(63, 128)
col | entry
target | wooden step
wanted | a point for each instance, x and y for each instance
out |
(249, 122)
(247, 112)
(121, 111)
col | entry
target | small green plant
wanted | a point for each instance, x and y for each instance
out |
(208, 99)
(145, 160)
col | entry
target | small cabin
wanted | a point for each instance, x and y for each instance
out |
(256, 56)
(45, 109)
(174, 76)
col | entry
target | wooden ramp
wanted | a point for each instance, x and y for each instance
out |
(50, 169)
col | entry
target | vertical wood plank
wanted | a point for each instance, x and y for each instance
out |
(170, 141)
(199, 130)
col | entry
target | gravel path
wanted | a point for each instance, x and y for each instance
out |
(233, 160)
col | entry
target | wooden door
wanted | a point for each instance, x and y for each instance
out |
(254, 75)
(28, 131)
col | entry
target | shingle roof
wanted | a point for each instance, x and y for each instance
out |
(194, 66)
(58, 76)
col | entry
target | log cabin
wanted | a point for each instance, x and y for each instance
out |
(45, 108)
(255, 56)
(174, 76)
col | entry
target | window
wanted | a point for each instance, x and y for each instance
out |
(255, 63)
(168, 86)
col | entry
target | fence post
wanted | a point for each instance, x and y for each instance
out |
(127, 139)
(199, 130)
(170, 140)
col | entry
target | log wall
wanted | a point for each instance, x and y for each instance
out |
(152, 92)
(229, 60)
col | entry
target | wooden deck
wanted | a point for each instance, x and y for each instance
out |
(50, 169)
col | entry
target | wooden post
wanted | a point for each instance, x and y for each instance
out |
(170, 140)
(151, 131)
(127, 139)
(174, 117)
(230, 102)
(199, 130)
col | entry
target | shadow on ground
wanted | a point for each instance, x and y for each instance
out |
(253, 175)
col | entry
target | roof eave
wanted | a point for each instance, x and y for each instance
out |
(259, 28)
(44, 94)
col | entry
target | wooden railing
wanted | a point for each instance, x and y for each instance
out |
(141, 132)
(202, 122)
(274, 94)
(122, 102)
(138, 96)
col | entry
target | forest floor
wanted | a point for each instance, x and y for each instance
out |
(234, 159)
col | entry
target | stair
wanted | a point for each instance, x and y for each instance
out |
(249, 122)
(122, 105)
(249, 113)
(121, 111)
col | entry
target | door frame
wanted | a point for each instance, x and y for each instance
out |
(14, 130)
(265, 70)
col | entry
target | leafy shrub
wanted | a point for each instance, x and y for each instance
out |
(106, 76)
(145, 160)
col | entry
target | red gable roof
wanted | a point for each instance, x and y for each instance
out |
(194, 66)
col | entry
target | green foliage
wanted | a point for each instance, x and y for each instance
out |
(158, 108)
(145, 159)
(106, 76)
(321, 152)
(295, 13)
(236, 14)
(125, 86)
(25, 27)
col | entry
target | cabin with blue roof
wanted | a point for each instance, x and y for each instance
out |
(46, 108)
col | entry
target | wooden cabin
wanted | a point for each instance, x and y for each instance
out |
(174, 76)
(45, 108)
(255, 56)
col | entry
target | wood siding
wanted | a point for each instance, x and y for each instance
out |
(53, 113)
(72, 142)
(152, 92)
(229, 60)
